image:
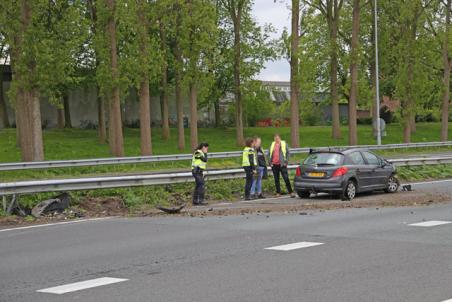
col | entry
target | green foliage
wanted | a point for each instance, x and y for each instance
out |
(258, 103)
(50, 45)
(311, 114)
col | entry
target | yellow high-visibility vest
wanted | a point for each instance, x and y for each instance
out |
(245, 156)
(197, 162)
(283, 148)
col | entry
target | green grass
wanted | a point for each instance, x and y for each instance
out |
(79, 144)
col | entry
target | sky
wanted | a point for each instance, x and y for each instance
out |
(278, 14)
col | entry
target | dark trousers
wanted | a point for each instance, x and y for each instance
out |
(198, 194)
(277, 170)
(248, 180)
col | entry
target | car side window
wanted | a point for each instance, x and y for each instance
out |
(371, 159)
(355, 158)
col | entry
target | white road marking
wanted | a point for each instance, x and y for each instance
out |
(293, 246)
(264, 199)
(72, 287)
(56, 223)
(430, 223)
(429, 182)
(450, 300)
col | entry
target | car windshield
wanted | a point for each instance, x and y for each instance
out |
(324, 159)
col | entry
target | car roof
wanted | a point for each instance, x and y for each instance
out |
(343, 151)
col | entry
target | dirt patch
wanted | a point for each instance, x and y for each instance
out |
(94, 207)
(101, 207)
(302, 206)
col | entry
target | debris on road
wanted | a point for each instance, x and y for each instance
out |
(406, 188)
(172, 210)
(55, 205)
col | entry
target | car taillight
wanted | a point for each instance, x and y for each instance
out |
(340, 171)
(298, 172)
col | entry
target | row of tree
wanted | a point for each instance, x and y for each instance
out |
(414, 54)
(203, 49)
(199, 48)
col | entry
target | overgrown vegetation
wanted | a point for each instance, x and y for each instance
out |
(142, 198)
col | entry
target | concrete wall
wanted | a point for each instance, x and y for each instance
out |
(83, 108)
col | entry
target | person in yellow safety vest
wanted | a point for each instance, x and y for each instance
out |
(249, 163)
(198, 166)
(279, 160)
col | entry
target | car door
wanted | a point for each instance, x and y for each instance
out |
(355, 162)
(375, 171)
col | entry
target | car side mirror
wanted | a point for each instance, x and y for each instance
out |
(383, 163)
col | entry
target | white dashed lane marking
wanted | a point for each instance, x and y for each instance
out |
(293, 246)
(430, 223)
(72, 287)
(53, 224)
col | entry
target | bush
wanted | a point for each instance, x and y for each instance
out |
(311, 115)
(364, 121)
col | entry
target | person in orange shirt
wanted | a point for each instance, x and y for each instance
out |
(279, 160)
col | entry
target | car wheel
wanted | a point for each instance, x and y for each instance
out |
(349, 191)
(393, 184)
(303, 194)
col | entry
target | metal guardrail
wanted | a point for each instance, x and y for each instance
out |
(39, 186)
(178, 157)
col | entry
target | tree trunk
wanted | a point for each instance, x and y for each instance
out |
(145, 118)
(145, 105)
(333, 24)
(179, 107)
(237, 85)
(114, 113)
(406, 128)
(373, 76)
(294, 76)
(217, 113)
(352, 103)
(67, 112)
(32, 148)
(101, 127)
(178, 88)
(28, 105)
(193, 116)
(164, 86)
(446, 78)
(413, 123)
(60, 118)
(101, 124)
(3, 112)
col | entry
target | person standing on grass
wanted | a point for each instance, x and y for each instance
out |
(198, 166)
(256, 188)
(249, 161)
(279, 159)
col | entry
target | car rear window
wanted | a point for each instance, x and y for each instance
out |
(326, 159)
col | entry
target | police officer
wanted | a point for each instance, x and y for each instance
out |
(249, 163)
(199, 165)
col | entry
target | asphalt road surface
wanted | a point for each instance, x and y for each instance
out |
(386, 254)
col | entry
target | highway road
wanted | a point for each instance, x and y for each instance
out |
(369, 254)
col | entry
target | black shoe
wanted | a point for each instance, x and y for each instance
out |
(254, 196)
(260, 196)
(247, 198)
(203, 203)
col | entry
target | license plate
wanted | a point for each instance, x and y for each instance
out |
(316, 174)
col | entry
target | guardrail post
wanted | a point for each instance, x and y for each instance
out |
(10, 207)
